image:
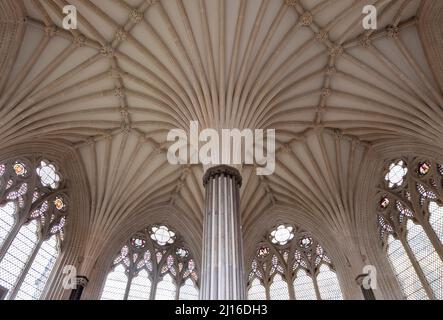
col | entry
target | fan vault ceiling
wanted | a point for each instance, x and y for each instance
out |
(135, 69)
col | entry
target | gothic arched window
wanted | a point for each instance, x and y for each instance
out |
(410, 216)
(33, 208)
(153, 264)
(290, 264)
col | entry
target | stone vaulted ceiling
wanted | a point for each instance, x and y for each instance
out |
(135, 69)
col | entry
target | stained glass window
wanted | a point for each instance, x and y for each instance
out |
(153, 264)
(396, 173)
(162, 235)
(282, 234)
(288, 264)
(48, 174)
(33, 210)
(410, 216)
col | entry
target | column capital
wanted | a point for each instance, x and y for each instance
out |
(82, 281)
(222, 170)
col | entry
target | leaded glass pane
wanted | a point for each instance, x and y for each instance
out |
(48, 175)
(18, 255)
(436, 219)
(257, 291)
(278, 289)
(427, 257)
(188, 291)
(140, 287)
(304, 286)
(35, 280)
(328, 284)
(115, 285)
(406, 275)
(7, 219)
(165, 289)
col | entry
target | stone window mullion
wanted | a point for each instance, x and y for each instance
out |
(25, 270)
(417, 268)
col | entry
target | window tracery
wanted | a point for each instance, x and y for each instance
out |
(153, 264)
(290, 264)
(33, 210)
(410, 217)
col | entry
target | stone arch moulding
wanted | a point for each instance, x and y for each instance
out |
(71, 166)
(168, 215)
(430, 28)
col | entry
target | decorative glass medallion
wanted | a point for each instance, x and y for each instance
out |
(282, 235)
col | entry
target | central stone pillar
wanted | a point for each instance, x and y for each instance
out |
(222, 276)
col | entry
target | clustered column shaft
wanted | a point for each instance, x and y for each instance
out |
(222, 267)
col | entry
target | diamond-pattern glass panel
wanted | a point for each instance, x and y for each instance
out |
(18, 255)
(35, 280)
(403, 269)
(140, 287)
(427, 257)
(188, 291)
(115, 285)
(7, 219)
(328, 284)
(304, 286)
(256, 291)
(436, 219)
(165, 289)
(278, 289)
